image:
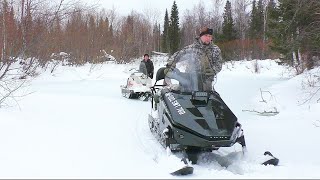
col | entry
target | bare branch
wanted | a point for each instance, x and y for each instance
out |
(316, 124)
(8, 91)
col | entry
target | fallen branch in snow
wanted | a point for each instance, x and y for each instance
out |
(261, 92)
(316, 124)
(55, 65)
(264, 113)
(311, 96)
(312, 81)
(232, 65)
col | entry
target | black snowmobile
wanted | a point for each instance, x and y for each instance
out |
(186, 118)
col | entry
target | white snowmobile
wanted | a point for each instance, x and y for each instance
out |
(137, 87)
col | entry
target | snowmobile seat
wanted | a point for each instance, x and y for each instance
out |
(160, 74)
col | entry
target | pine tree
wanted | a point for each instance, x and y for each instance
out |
(165, 43)
(174, 29)
(272, 15)
(260, 19)
(228, 29)
(256, 22)
(296, 29)
(156, 37)
(256, 30)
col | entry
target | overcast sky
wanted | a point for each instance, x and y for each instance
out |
(124, 7)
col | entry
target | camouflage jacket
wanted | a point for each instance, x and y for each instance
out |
(210, 57)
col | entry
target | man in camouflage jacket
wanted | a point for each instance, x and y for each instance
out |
(209, 53)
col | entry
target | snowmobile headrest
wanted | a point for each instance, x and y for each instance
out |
(160, 74)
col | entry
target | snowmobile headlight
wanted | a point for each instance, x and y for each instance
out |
(201, 94)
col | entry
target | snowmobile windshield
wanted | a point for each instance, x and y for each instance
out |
(185, 72)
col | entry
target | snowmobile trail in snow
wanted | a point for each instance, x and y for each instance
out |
(144, 139)
(230, 160)
(170, 163)
(234, 162)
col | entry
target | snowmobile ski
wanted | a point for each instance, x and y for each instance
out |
(186, 170)
(273, 161)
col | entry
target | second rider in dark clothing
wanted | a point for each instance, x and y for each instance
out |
(146, 66)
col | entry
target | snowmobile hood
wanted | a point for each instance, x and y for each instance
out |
(211, 118)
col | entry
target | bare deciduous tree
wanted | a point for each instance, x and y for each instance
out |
(242, 22)
(216, 18)
(28, 38)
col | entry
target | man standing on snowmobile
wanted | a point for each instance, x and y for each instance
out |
(146, 66)
(210, 57)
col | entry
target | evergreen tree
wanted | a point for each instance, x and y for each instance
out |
(296, 29)
(228, 29)
(174, 29)
(111, 32)
(256, 23)
(260, 19)
(272, 16)
(256, 30)
(253, 20)
(156, 36)
(165, 46)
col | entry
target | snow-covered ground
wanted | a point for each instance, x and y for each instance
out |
(76, 124)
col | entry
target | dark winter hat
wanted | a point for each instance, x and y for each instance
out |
(146, 55)
(206, 30)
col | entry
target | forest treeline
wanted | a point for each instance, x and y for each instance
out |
(243, 29)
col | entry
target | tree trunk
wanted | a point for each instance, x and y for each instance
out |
(23, 29)
(4, 33)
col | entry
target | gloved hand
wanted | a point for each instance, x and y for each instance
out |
(169, 68)
(151, 75)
